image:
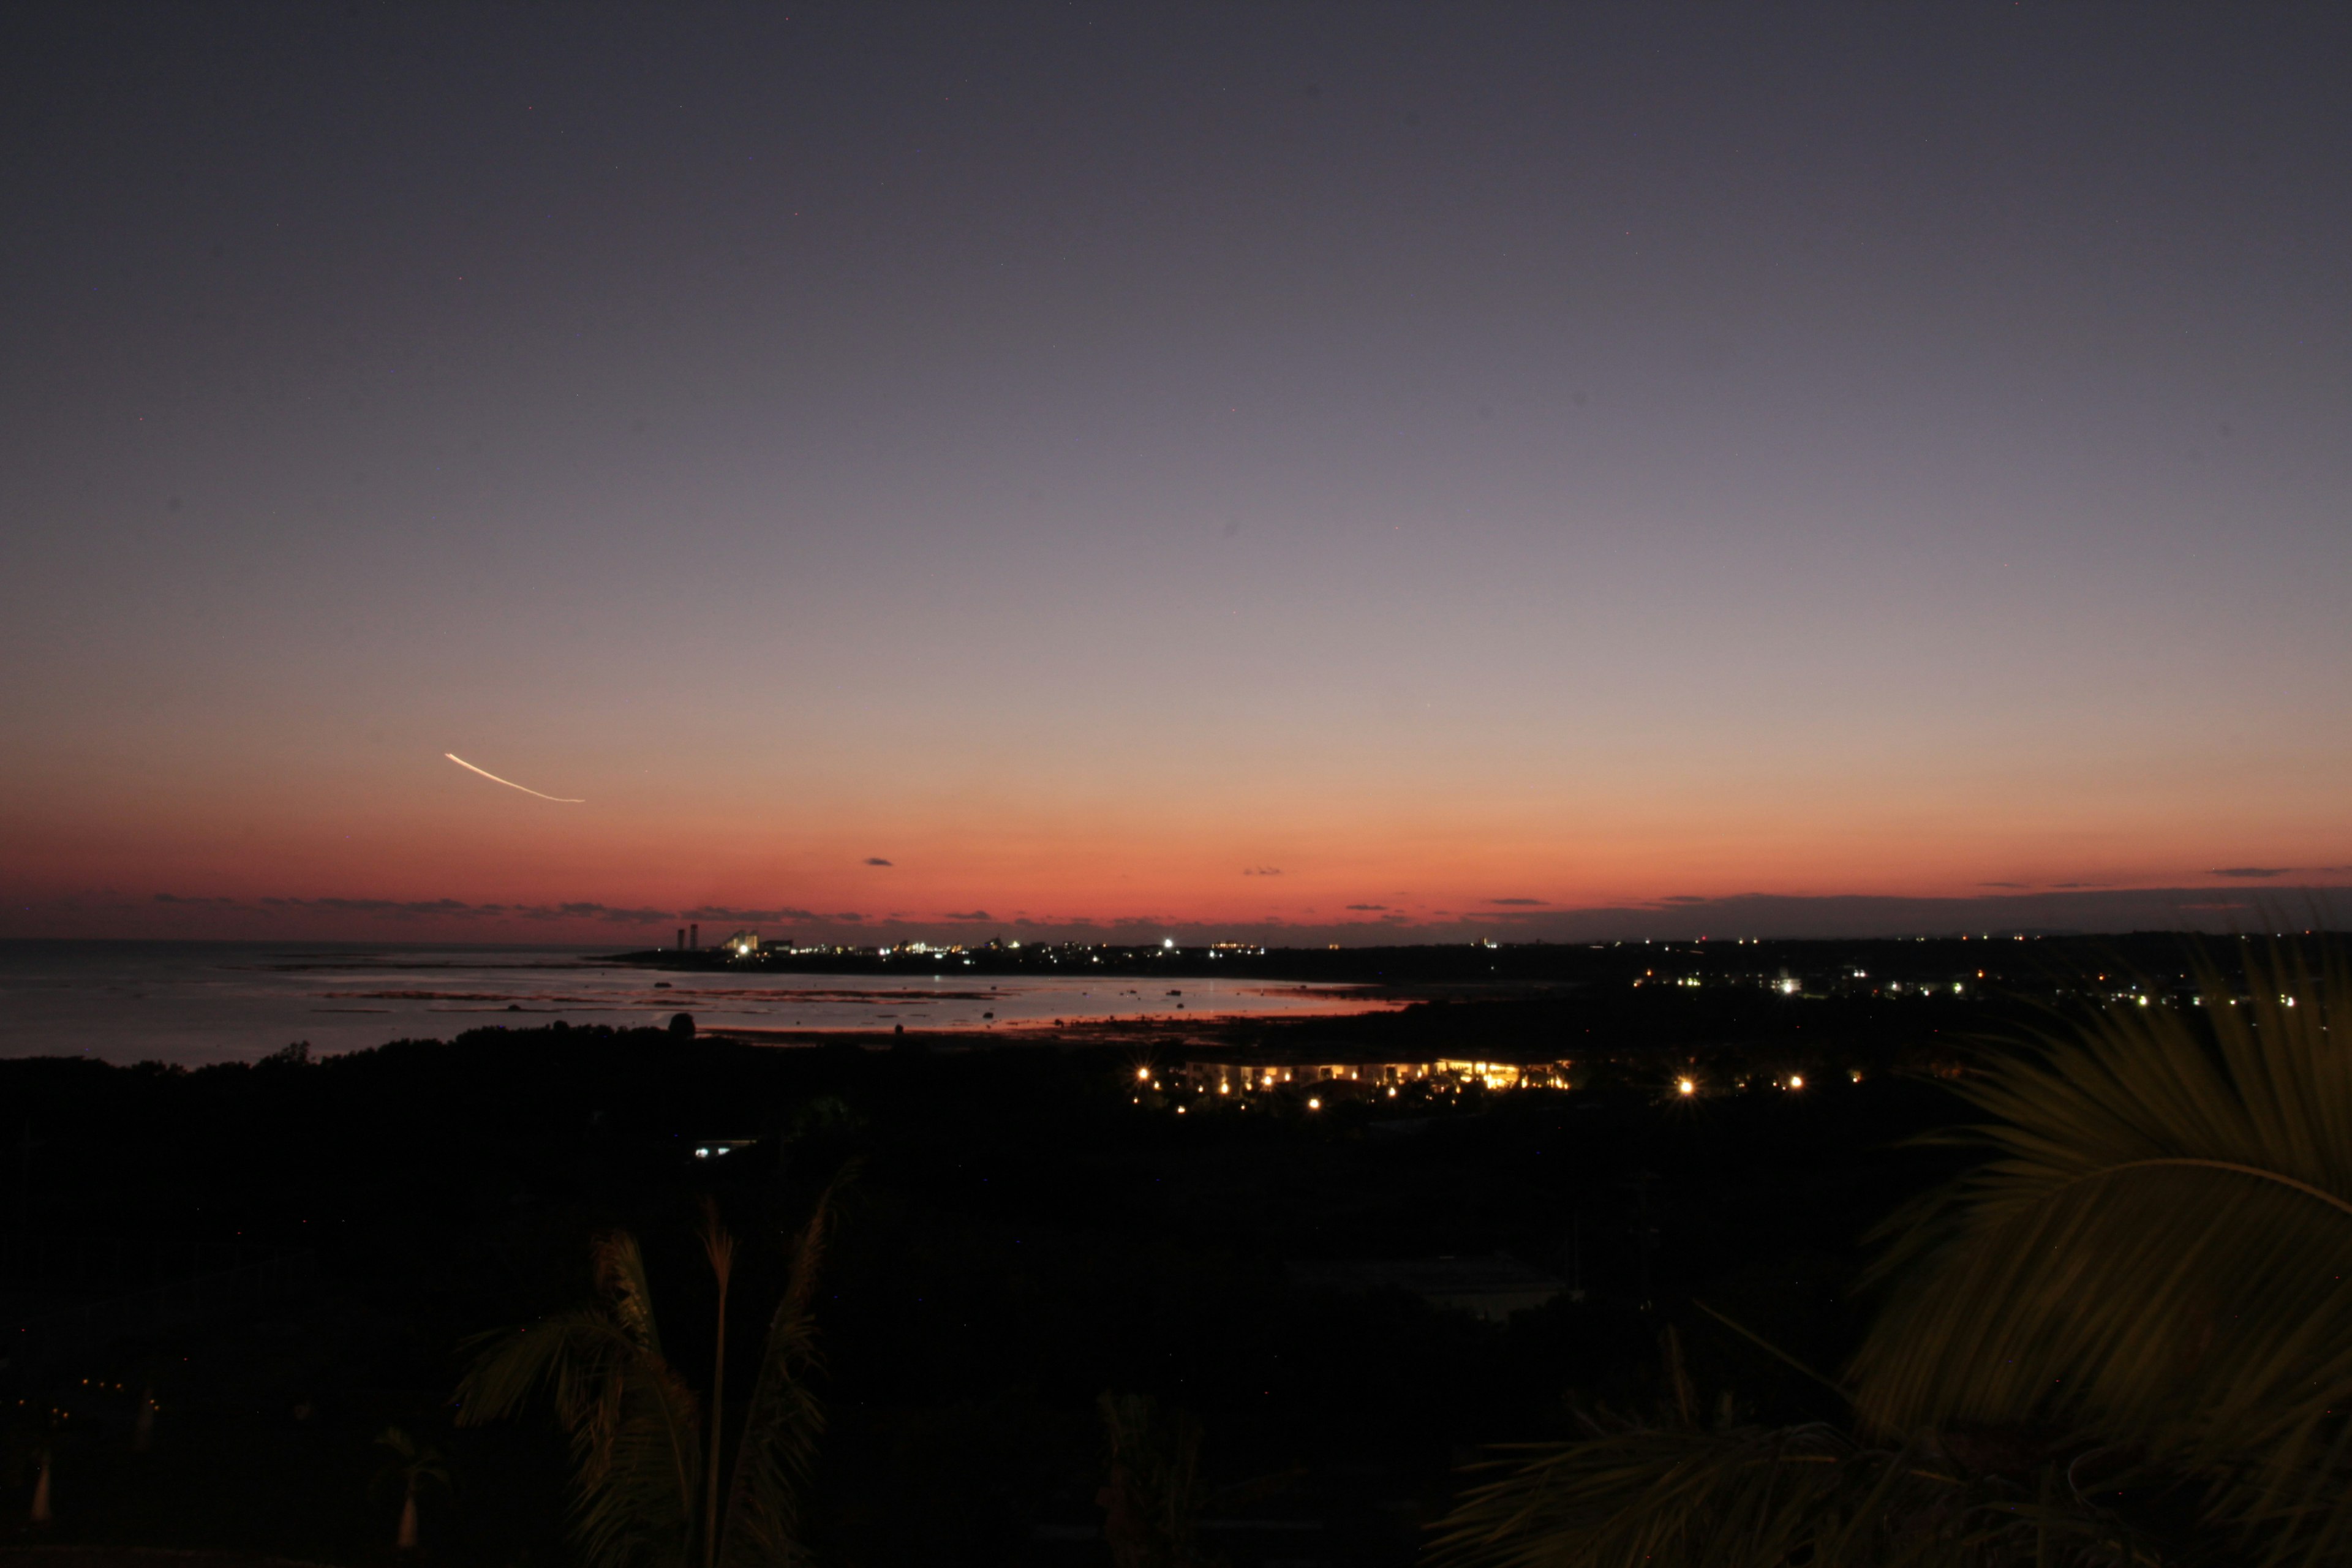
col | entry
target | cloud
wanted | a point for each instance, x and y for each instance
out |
(875, 860)
(2000, 884)
(724, 912)
(1368, 907)
(602, 912)
(398, 909)
(965, 915)
(1261, 870)
(1521, 903)
(442, 908)
(456, 912)
(1682, 899)
(409, 907)
(2252, 873)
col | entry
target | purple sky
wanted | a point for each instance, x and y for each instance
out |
(1343, 467)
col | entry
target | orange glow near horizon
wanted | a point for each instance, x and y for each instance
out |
(1367, 862)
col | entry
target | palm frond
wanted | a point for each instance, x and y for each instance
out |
(637, 1492)
(620, 1268)
(633, 1423)
(719, 1252)
(2159, 1249)
(777, 1449)
(1635, 1495)
(412, 1463)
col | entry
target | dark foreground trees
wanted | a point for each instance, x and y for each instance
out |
(2126, 1337)
(647, 1452)
(1686, 1484)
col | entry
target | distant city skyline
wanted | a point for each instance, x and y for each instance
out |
(2262, 907)
(1353, 471)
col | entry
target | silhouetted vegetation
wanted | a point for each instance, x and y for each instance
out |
(647, 1481)
(1024, 1237)
(2120, 1338)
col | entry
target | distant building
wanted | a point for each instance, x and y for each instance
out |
(1244, 1076)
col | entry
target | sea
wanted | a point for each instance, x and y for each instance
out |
(197, 1003)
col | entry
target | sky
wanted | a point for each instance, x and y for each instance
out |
(1358, 472)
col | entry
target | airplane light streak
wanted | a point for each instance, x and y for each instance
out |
(559, 799)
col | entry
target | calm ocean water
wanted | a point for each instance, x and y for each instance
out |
(194, 1003)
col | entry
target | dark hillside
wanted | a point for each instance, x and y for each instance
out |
(1022, 1231)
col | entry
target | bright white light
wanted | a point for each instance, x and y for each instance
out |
(1314, 1105)
(1168, 942)
(1685, 1087)
(1796, 1080)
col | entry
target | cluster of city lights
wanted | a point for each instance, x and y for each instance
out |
(1240, 1084)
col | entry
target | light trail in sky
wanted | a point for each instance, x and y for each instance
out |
(559, 799)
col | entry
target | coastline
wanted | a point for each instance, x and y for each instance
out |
(194, 1004)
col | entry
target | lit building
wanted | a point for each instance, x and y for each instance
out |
(1263, 1078)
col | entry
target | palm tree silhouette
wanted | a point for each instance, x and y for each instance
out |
(411, 1466)
(2158, 1251)
(1685, 1486)
(647, 1480)
(2148, 1278)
